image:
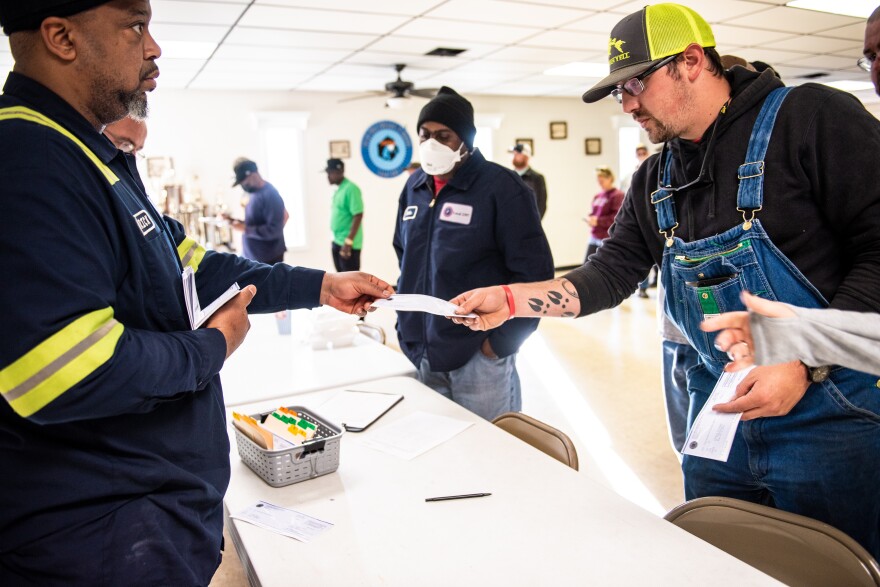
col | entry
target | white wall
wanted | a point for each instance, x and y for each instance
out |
(205, 131)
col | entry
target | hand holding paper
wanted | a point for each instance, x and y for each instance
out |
(232, 319)
(420, 303)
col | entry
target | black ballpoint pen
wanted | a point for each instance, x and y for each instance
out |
(447, 497)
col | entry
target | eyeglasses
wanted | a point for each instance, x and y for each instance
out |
(636, 85)
(867, 62)
(129, 149)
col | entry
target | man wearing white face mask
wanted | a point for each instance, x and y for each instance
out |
(464, 221)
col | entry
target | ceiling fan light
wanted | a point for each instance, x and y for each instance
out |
(395, 102)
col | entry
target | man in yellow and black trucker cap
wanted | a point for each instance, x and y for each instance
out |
(757, 188)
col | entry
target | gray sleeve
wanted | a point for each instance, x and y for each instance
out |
(819, 337)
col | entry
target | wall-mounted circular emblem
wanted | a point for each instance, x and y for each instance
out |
(386, 149)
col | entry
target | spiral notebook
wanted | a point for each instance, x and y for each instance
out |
(356, 410)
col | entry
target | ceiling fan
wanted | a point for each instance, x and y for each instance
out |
(397, 92)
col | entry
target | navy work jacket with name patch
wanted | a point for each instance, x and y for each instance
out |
(482, 229)
(113, 437)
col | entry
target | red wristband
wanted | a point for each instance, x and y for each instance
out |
(510, 304)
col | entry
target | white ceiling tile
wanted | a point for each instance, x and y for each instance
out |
(320, 20)
(413, 62)
(556, 56)
(790, 74)
(249, 52)
(264, 67)
(593, 4)
(601, 23)
(815, 44)
(344, 83)
(176, 66)
(511, 13)
(187, 32)
(794, 20)
(421, 45)
(850, 32)
(456, 30)
(455, 77)
(821, 62)
(246, 81)
(525, 88)
(577, 40)
(770, 56)
(711, 10)
(408, 8)
(736, 36)
(166, 11)
(303, 39)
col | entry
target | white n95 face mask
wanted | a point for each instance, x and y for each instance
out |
(437, 158)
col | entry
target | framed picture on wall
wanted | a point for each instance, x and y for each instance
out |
(558, 130)
(528, 142)
(340, 149)
(593, 146)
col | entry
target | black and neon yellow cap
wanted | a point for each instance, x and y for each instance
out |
(645, 37)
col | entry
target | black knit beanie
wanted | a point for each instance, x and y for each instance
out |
(448, 107)
(25, 15)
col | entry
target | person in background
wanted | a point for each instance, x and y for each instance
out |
(464, 222)
(413, 167)
(521, 158)
(604, 209)
(868, 61)
(264, 216)
(641, 155)
(772, 332)
(346, 214)
(736, 201)
(128, 134)
(114, 433)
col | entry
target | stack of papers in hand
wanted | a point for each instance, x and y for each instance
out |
(197, 315)
(420, 303)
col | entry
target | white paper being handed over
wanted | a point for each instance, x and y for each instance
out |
(420, 303)
(197, 315)
(712, 434)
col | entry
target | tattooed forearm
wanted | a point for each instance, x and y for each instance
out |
(556, 302)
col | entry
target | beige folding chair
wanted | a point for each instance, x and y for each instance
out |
(542, 436)
(372, 331)
(794, 549)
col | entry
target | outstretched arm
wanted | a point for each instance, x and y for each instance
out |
(556, 297)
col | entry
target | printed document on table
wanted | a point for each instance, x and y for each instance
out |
(420, 303)
(283, 521)
(415, 434)
(713, 432)
(197, 315)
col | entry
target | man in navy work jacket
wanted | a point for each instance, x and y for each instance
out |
(464, 222)
(113, 438)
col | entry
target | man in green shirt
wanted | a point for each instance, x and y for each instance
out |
(346, 213)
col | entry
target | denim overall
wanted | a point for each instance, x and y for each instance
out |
(822, 459)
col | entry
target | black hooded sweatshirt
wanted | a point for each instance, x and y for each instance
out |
(821, 196)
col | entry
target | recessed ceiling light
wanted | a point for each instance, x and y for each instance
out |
(579, 69)
(858, 8)
(848, 85)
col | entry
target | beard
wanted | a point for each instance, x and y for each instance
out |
(110, 103)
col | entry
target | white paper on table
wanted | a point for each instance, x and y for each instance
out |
(420, 303)
(355, 410)
(283, 521)
(415, 434)
(197, 315)
(712, 434)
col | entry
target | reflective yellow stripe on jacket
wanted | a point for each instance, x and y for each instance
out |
(60, 362)
(22, 113)
(191, 253)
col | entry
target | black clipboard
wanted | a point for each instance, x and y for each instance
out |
(354, 403)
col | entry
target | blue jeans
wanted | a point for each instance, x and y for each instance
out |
(677, 359)
(487, 387)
